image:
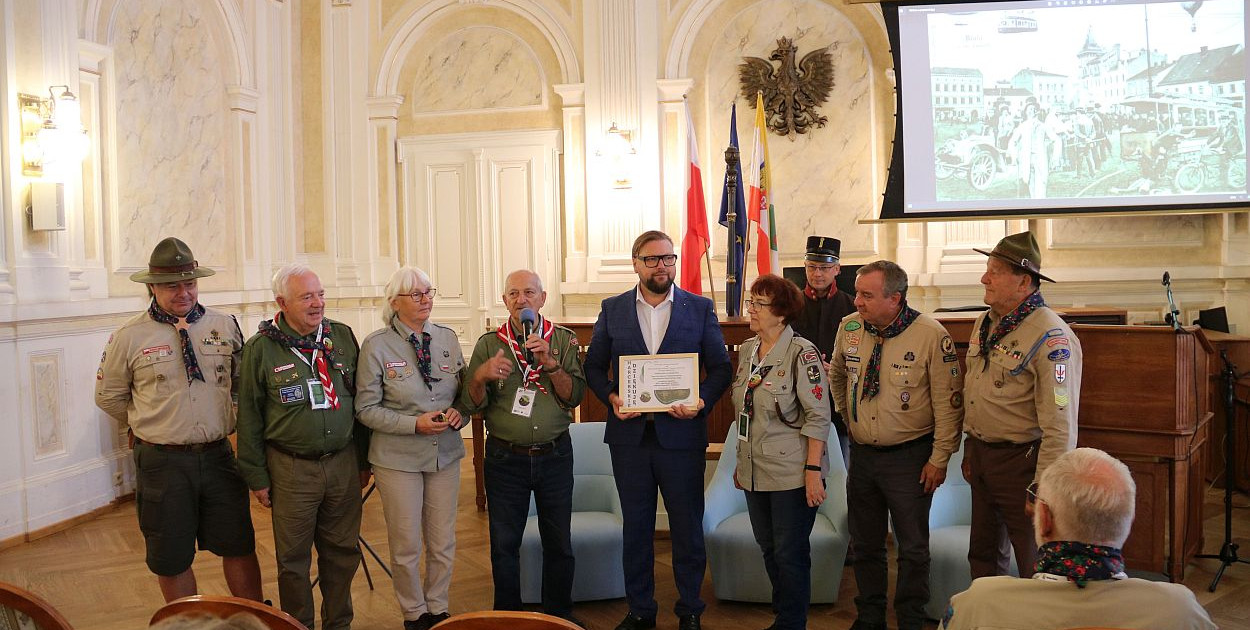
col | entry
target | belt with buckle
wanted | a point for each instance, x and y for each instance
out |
(890, 448)
(541, 448)
(184, 448)
(308, 456)
(997, 445)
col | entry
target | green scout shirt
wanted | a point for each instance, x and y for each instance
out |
(271, 373)
(551, 415)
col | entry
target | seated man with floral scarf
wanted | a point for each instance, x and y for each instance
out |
(1083, 512)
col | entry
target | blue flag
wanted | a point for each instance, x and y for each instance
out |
(733, 290)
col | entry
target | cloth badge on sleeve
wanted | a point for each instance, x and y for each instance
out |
(818, 392)
(1061, 397)
(1057, 341)
(853, 339)
(851, 326)
(1061, 372)
(852, 359)
(949, 358)
(957, 400)
(852, 350)
(395, 364)
(948, 346)
(293, 393)
(809, 356)
(1061, 354)
(813, 374)
(282, 368)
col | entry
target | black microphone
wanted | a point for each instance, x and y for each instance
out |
(527, 327)
(1167, 279)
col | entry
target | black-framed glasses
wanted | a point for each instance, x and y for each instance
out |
(416, 296)
(756, 304)
(651, 262)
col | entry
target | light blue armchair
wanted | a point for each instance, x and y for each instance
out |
(734, 557)
(596, 526)
(950, 520)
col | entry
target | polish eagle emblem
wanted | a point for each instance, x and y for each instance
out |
(792, 91)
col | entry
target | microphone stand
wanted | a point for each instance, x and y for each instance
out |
(1173, 315)
(1228, 550)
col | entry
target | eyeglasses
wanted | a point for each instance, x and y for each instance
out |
(1032, 492)
(416, 296)
(756, 304)
(652, 262)
(820, 268)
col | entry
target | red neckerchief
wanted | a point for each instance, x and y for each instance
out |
(529, 375)
(811, 293)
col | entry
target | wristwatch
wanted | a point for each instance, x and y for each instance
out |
(811, 467)
(554, 370)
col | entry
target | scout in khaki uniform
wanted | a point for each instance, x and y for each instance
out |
(1083, 513)
(300, 449)
(170, 374)
(1022, 391)
(896, 379)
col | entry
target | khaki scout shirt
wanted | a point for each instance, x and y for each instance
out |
(390, 394)
(142, 380)
(551, 415)
(789, 409)
(1038, 401)
(1009, 603)
(921, 386)
(274, 406)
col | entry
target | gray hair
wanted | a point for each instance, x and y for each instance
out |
(282, 277)
(404, 280)
(895, 280)
(203, 621)
(1091, 495)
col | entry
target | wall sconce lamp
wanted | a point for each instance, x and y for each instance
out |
(619, 149)
(53, 138)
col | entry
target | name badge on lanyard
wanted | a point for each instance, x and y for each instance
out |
(317, 394)
(523, 403)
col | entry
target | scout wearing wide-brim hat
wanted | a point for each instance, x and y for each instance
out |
(171, 261)
(823, 249)
(1019, 251)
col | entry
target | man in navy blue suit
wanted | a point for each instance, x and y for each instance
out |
(663, 451)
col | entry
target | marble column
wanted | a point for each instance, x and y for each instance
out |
(573, 97)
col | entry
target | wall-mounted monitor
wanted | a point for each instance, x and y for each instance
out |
(1048, 107)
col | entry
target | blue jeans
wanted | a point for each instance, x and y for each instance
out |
(510, 478)
(782, 523)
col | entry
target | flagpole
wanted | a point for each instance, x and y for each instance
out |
(731, 217)
(707, 258)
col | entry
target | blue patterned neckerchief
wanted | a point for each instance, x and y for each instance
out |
(188, 352)
(422, 346)
(872, 375)
(1080, 562)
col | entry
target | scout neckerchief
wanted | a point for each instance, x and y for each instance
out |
(508, 335)
(1008, 323)
(872, 375)
(758, 374)
(1080, 562)
(319, 347)
(188, 353)
(811, 293)
(422, 346)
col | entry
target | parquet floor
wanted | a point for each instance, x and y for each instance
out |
(94, 574)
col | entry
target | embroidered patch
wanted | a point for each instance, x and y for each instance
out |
(391, 373)
(954, 371)
(852, 350)
(851, 326)
(818, 392)
(1061, 397)
(948, 346)
(445, 368)
(852, 359)
(957, 400)
(1057, 341)
(281, 368)
(813, 374)
(1061, 354)
(949, 358)
(809, 356)
(395, 364)
(293, 393)
(853, 339)
(1061, 372)
(910, 356)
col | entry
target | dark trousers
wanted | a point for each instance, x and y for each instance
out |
(1000, 477)
(678, 475)
(510, 478)
(883, 487)
(782, 524)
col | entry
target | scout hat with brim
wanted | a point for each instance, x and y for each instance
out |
(1019, 251)
(171, 261)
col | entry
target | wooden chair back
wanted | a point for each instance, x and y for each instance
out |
(224, 607)
(512, 620)
(31, 605)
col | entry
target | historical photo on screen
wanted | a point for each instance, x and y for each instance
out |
(1088, 100)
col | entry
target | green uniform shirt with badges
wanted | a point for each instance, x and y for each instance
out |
(921, 386)
(1031, 387)
(143, 383)
(551, 415)
(275, 405)
(390, 394)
